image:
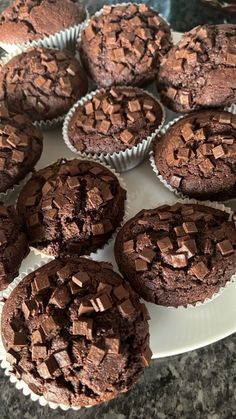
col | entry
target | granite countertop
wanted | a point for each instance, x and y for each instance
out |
(199, 384)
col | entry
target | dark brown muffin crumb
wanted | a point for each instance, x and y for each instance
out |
(113, 120)
(13, 244)
(28, 20)
(124, 45)
(21, 145)
(42, 82)
(179, 254)
(200, 71)
(197, 155)
(72, 207)
(76, 333)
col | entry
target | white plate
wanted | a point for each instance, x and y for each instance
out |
(173, 331)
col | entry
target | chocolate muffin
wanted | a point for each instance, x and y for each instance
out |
(123, 44)
(200, 71)
(13, 244)
(29, 20)
(21, 145)
(71, 207)
(76, 333)
(197, 155)
(113, 120)
(179, 254)
(42, 82)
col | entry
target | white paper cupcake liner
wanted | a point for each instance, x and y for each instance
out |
(215, 205)
(156, 171)
(127, 205)
(6, 197)
(19, 383)
(123, 160)
(231, 108)
(63, 39)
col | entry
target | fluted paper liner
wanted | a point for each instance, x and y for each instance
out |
(123, 160)
(65, 38)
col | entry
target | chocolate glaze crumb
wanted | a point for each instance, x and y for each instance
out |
(68, 356)
(178, 254)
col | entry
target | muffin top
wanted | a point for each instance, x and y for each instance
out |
(197, 155)
(75, 332)
(178, 254)
(43, 83)
(21, 145)
(28, 20)
(114, 119)
(72, 207)
(124, 44)
(13, 244)
(200, 71)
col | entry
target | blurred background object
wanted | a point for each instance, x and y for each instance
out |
(229, 6)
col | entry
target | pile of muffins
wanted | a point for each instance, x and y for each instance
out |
(74, 331)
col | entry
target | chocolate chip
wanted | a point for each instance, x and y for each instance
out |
(62, 358)
(60, 297)
(190, 228)
(112, 345)
(83, 326)
(148, 255)
(120, 292)
(128, 247)
(126, 308)
(165, 244)
(49, 325)
(39, 352)
(141, 265)
(200, 270)
(81, 279)
(41, 282)
(48, 368)
(96, 355)
(225, 247)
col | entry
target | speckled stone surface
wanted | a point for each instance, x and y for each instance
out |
(197, 385)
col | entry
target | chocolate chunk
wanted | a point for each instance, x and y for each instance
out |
(200, 270)
(19, 339)
(48, 368)
(103, 302)
(62, 358)
(85, 308)
(64, 273)
(112, 345)
(141, 265)
(83, 326)
(81, 279)
(128, 247)
(225, 247)
(134, 105)
(37, 336)
(146, 357)
(49, 325)
(175, 181)
(179, 260)
(41, 283)
(60, 296)
(39, 352)
(120, 292)
(190, 228)
(95, 355)
(12, 357)
(208, 247)
(206, 166)
(165, 244)
(34, 220)
(29, 307)
(73, 182)
(126, 308)
(189, 247)
(97, 229)
(126, 136)
(218, 152)
(187, 132)
(30, 201)
(148, 255)
(179, 231)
